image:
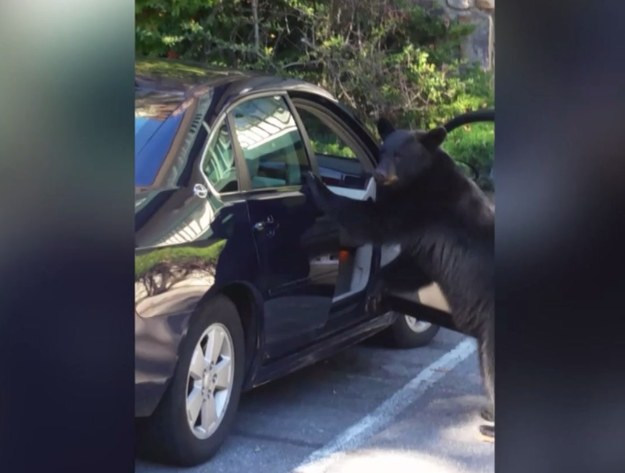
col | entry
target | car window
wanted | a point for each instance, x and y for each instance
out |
(218, 165)
(270, 142)
(323, 139)
(338, 161)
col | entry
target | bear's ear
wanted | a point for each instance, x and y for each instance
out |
(385, 127)
(433, 138)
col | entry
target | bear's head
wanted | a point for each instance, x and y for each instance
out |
(405, 154)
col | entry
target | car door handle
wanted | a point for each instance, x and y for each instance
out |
(263, 224)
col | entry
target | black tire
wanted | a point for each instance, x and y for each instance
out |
(166, 436)
(402, 335)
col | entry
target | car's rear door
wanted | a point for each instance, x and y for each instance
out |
(297, 247)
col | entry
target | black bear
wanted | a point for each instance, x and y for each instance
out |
(444, 224)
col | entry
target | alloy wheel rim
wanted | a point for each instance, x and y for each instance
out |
(209, 381)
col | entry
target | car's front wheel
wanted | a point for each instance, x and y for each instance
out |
(199, 406)
(409, 332)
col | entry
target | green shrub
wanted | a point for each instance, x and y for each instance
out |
(474, 144)
(380, 57)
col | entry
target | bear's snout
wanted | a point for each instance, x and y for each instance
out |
(385, 173)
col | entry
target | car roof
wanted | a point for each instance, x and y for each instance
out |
(167, 80)
(169, 74)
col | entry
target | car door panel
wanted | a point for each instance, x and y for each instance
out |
(297, 247)
(345, 166)
(298, 289)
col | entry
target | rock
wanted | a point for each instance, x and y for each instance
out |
(488, 5)
(460, 4)
(479, 45)
(428, 4)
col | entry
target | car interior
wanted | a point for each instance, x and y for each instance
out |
(355, 267)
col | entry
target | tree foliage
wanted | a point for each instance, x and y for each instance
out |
(388, 57)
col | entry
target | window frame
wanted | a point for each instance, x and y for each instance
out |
(338, 125)
(212, 136)
(243, 177)
(293, 99)
(241, 162)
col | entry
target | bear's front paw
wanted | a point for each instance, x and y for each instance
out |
(374, 298)
(372, 305)
(488, 413)
(315, 187)
(311, 180)
(488, 432)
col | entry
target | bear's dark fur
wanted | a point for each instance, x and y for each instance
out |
(444, 223)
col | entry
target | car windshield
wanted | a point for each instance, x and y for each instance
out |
(153, 139)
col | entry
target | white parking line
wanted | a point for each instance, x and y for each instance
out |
(355, 435)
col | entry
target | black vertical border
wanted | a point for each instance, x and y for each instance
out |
(66, 238)
(560, 141)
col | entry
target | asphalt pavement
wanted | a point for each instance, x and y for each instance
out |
(367, 409)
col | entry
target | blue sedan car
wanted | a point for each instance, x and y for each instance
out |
(239, 278)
